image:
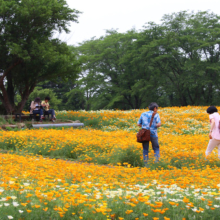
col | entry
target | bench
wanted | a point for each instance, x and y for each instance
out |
(31, 116)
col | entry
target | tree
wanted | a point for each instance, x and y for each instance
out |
(115, 75)
(28, 53)
(42, 93)
(185, 53)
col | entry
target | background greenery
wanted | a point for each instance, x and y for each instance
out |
(175, 63)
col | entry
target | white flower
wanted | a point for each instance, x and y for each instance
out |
(10, 217)
(15, 204)
(11, 182)
(26, 184)
(3, 199)
(1, 190)
(13, 197)
(6, 204)
(216, 206)
(194, 209)
(20, 211)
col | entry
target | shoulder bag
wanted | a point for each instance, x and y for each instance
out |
(144, 134)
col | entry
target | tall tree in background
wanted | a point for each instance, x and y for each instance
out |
(174, 63)
(186, 56)
(28, 53)
(115, 75)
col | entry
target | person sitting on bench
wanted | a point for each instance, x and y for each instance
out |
(46, 106)
(36, 108)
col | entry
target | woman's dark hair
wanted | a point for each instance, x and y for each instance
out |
(152, 106)
(37, 100)
(47, 98)
(211, 109)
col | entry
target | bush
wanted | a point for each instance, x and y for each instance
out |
(127, 156)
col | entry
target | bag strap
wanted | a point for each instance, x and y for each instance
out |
(152, 118)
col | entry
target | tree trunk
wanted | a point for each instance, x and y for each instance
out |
(10, 89)
(5, 99)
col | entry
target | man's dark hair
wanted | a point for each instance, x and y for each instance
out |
(37, 100)
(211, 109)
(47, 98)
(153, 105)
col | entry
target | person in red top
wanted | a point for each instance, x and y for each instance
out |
(214, 134)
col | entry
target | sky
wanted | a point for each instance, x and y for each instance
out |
(123, 15)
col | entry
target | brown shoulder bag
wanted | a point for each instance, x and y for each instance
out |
(144, 134)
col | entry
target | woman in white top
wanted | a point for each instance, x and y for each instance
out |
(36, 108)
(214, 134)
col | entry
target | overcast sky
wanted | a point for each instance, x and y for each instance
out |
(100, 15)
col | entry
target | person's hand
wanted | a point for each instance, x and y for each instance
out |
(158, 125)
(210, 135)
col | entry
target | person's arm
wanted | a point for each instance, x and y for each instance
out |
(158, 121)
(158, 124)
(139, 124)
(32, 105)
(212, 127)
(43, 104)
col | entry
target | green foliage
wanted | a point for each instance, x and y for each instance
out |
(127, 156)
(42, 93)
(174, 63)
(28, 53)
(2, 121)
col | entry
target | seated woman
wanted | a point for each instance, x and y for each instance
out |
(36, 108)
(46, 106)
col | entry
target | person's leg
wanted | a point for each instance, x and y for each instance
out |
(156, 148)
(41, 112)
(35, 112)
(52, 112)
(212, 144)
(145, 151)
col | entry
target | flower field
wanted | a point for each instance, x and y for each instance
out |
(97, 172)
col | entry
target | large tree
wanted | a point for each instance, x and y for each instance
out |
(185, 51)
(115, 74)
(28, 52)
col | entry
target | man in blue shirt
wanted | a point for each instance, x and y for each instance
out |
(144, 122)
